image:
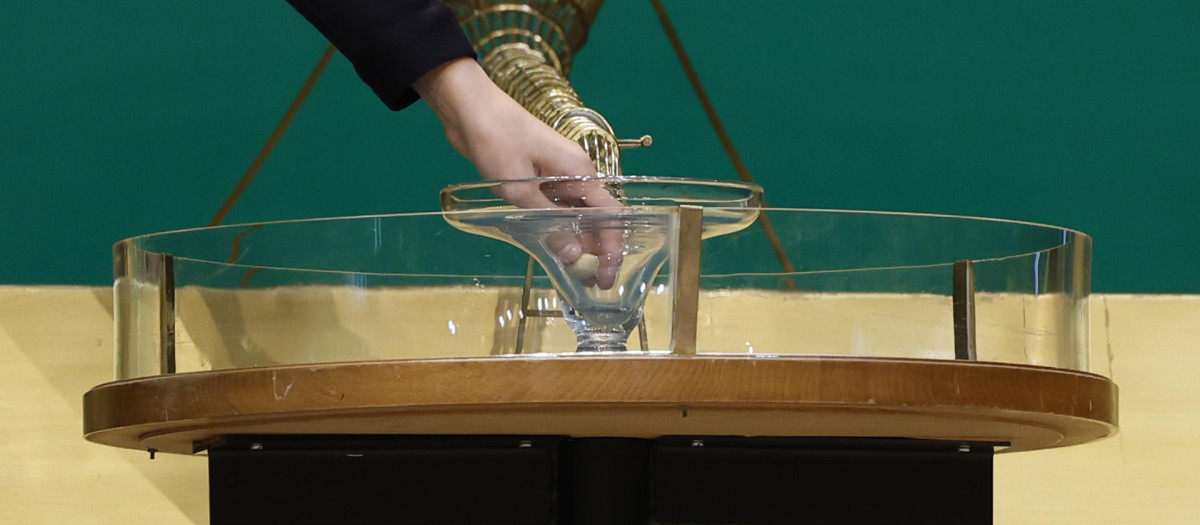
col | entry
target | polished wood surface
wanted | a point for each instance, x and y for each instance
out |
(637, 396)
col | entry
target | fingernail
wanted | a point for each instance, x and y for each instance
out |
(570, 252)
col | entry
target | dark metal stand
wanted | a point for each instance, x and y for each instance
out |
(511, 480)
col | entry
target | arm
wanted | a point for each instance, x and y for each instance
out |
(505, 142)
(499, 136)
(390, 43)
(409, 48)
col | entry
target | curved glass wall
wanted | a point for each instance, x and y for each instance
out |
(417, 286)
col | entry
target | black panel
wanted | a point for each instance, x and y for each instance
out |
(513, 480)
(349, 480)
(765, 481)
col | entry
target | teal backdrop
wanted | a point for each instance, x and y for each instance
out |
(119, 118)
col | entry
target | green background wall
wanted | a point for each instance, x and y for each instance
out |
(119, 118)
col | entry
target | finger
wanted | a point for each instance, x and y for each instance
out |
(525, 195)
(604, 243)
(565, 246)
(591, 193)
(596, 195)
(516, 189)
(571, 160)
(584, 265)
(611, 251)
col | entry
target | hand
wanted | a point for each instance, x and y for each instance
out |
(491, 129)
(506, 142)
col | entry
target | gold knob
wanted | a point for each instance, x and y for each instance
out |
(644, 142)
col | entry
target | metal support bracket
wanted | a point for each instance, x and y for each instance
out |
(964, 311)
(162, 266)
(685, 280)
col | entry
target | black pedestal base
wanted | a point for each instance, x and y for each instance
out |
(511, 480)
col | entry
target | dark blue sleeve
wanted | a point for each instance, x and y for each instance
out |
(391, 43)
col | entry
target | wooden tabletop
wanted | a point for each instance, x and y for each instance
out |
(635, 396)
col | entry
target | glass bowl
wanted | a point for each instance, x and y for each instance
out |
(416, 286)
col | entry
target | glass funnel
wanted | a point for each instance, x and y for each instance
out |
(600, 240)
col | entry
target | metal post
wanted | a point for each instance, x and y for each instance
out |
(523, 322)
(166, 313)
(685, 281)
(964, 311)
